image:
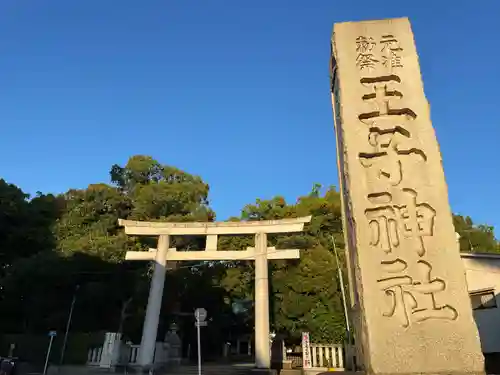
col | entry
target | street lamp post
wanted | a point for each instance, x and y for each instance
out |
(344, 301)
(68, 324)
(342, 290)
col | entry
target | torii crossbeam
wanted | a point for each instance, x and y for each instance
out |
(260, 253)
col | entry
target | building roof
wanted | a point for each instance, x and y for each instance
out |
(480, 255)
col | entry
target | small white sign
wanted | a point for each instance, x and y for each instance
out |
(306, 350)
(200, 314)
(52, 334)
(201, 324)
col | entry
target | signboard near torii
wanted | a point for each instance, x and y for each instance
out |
(260, 253)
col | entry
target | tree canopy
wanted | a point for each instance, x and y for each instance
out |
(475, 238)
(56, 247)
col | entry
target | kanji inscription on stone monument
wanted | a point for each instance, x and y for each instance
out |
(410, 295)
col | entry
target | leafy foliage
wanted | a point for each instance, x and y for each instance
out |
(305, 293)
(25, 225)
(57, 248)
(475, 238)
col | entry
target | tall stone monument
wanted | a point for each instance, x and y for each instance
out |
(411, 308)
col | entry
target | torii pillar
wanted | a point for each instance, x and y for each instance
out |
(261, 253)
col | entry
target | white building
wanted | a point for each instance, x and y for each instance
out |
(483, 282)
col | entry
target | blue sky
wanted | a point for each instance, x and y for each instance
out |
(235, 91)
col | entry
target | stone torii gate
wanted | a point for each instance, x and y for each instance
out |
(260, 253)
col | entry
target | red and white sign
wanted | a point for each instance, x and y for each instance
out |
(306, 350)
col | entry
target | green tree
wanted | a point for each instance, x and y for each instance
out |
(26, 234)
(165, 193)
(49, 245)
(305, 293)
(162, 192)
(90, 223)
(475, 238)
(88, 247)
(25, 225)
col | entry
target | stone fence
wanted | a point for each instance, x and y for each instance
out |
(323, 357)
(129, 356)
(114, 353)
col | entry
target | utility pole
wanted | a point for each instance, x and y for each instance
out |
(344, 301)
(342, 289)
(68, 324)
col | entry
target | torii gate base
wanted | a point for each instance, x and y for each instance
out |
(260, 254)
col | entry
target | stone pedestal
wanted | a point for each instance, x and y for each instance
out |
(411, 306)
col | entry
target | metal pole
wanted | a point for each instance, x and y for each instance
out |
(68, 324)
(342, 290)
(199, 345)
(344, 300)
(48, 355)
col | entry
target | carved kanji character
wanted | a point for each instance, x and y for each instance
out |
(390, 222)
(388, 148)
(413, 297)
(364, 44)
(381, 97)
(366, 61)
(365, 58)
(391, 52)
